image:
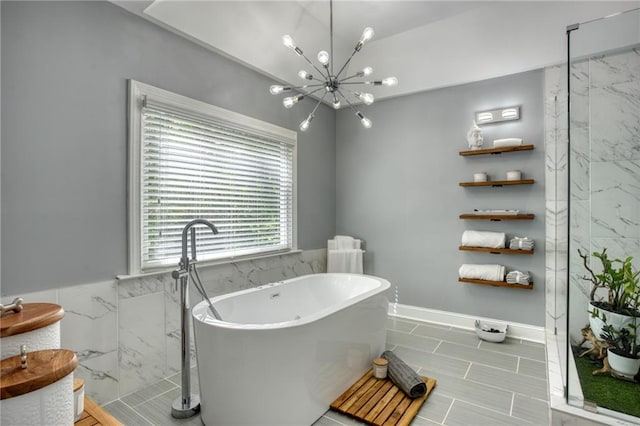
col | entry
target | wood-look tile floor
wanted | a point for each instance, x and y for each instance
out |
(479, 383)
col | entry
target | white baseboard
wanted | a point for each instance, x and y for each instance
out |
(516, 330)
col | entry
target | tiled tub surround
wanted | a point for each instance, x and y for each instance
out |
(479, 383)
(126, 333)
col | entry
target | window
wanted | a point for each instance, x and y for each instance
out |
(189, 160)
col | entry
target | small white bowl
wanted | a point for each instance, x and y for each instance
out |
(480, 177)
(491, 332)
(514, 175)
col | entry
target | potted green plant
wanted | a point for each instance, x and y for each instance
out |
(620, 280)
(623, 352)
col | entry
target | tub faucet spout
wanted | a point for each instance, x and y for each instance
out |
(188, 404)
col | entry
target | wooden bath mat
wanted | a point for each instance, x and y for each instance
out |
(379, 402)
(94, 415)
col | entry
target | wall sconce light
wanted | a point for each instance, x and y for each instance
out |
(498, 115)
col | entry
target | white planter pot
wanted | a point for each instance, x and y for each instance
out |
(627, 367)
(618, 321)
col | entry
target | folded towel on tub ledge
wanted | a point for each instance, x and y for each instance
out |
(482, 272)
(484, 239)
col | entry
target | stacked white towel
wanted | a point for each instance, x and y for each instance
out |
(501, 143)
(482, 272)
(521, 243)
(483, 239)
(518, 277)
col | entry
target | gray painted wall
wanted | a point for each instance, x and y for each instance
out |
(65, 67)
(398, 191)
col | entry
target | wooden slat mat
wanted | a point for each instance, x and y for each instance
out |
(379, 402)
(94, 415)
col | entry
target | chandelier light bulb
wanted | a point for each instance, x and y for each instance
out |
(367, 98)
(366, 123)
(276, 89)
(367, 71)
(390, 81)
(304, 75)
(336, 103)
(290, 101)
(367, 35)
(305, 124)
(288, 41)
(323, 57)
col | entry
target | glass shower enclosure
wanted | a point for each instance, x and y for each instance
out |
(603, 196)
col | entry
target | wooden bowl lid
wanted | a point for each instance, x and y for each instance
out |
(380, 361)
(43, 368)
(32, 317)
(77, 384)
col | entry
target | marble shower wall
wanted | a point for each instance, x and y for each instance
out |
(605, 168)
(126, 333)
(605, 171)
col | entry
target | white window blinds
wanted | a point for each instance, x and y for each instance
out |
(198, 166)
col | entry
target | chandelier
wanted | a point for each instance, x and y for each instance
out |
(332, 84)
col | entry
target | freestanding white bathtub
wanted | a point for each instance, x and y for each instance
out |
(284, 351)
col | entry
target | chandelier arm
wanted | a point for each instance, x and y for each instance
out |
(354, 82)
(347, 100)
(331, 33)
(318, 104)
(346, 63)
(314, 66)
(350, 91)
(312, 92)
(307, 85)
(350, 77)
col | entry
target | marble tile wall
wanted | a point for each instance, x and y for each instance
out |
(557, 203)
(126, 333)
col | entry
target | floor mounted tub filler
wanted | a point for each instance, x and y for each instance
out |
(284, 351)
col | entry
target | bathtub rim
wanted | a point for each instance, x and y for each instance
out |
(208, 319)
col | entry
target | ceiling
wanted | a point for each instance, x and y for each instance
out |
(425, 44)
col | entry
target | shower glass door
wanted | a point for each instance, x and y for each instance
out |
(604, 189)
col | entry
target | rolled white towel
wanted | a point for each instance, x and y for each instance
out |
(501, 143)
(482, 272)
(483, 239)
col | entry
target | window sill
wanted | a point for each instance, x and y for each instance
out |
(207, 264)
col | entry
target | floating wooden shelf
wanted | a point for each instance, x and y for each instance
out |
(499, 182)
(524, 216)
(496, 283)
(497, 150)
(495, 250)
